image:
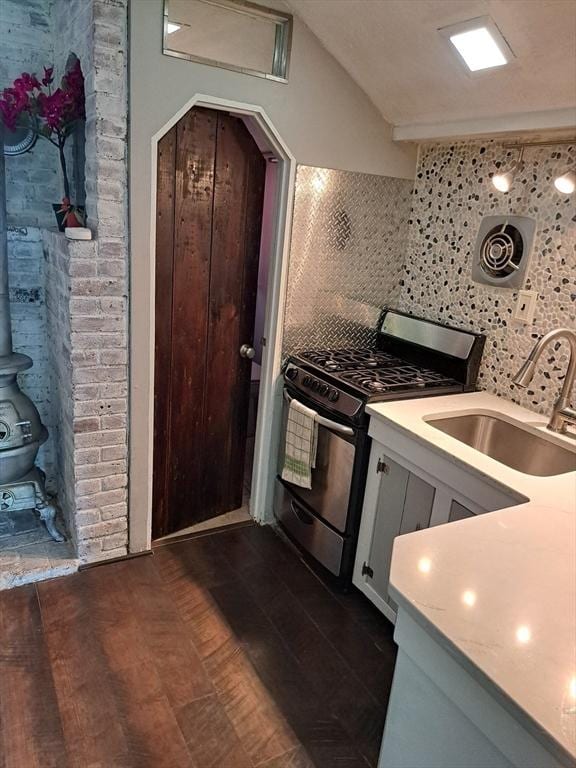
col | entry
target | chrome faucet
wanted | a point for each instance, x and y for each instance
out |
(562, 413)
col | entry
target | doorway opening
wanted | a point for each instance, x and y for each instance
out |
(215, 235)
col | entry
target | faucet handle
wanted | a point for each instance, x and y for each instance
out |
(567, 416)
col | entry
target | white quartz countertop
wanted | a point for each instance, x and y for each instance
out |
(498, 589)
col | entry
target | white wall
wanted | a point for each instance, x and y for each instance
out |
(321, 114)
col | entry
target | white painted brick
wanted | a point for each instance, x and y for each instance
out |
(113, 357)
(81, 287)
(114, 421)
(114, 511)
(87, 456)
(97, 286)
(88, 487)
(104, 528)
(112, 482)
(114, 452)
(81, 305)
(113, 390)
(86, 392)
(99, 375)
(83, 268)
(102, 499)
(111, 268)
(86, 517)
(107, 438)
(89, 549)
(102, 324)
(103, 554)
(115, 542)
(102, 469)
(86, 425)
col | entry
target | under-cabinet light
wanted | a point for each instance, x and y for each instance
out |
(503, 181)
(566, 183)
(171, 26)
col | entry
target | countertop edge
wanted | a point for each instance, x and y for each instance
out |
(540, 734)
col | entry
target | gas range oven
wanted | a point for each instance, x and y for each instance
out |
(413, 357)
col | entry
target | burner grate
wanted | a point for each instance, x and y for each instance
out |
(400, 378)
(336, 360)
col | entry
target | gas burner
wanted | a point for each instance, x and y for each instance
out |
(336, 360)
(400, 378)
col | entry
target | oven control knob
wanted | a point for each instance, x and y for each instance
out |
(306, 381)
(333, 395)
(324, 389)
(291, 373)
(315, 385)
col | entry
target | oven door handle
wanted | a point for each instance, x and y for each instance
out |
(328, 423)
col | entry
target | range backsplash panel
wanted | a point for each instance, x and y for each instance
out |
(452, 194)
(348, 247)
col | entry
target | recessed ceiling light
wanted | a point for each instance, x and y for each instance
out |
(478, 49)
(171, 26)
(479, 43)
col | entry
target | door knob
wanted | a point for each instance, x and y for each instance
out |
(247, 351)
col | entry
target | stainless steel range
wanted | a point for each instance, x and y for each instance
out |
(413, 358)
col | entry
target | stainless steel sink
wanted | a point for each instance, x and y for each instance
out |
(509, 444)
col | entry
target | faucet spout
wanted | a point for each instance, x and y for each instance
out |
(562, 413)
(525, 374)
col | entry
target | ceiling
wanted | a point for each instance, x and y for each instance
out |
(393, 51)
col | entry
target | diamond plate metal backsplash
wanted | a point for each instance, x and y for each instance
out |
(349, 238)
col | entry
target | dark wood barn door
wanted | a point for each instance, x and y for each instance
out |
(209, 214)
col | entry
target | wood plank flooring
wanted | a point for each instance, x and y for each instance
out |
(222, 651)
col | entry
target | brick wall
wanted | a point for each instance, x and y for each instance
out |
(26, 45)
(86, 320)
(87, 293)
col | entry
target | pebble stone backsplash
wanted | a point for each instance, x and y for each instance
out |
(453, 192)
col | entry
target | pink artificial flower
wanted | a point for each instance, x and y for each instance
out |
(27, 83)
(54, 108)
(13, 102)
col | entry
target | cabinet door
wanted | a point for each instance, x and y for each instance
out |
(404, 505)
(417, 505)
(391, 496)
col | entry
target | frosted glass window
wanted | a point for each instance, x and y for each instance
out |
(229, 33)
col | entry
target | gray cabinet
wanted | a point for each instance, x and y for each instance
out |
(404, 505)
(459, 512)
(421, 489)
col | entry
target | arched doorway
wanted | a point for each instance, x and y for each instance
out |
(267, 426)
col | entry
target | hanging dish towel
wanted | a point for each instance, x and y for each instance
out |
(301, 442)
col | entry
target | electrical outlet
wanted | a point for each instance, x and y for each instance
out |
(525, 306)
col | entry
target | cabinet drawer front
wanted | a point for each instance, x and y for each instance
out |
(314, 535)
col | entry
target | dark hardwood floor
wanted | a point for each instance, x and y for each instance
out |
(222, 651)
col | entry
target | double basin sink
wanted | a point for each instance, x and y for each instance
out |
(510, 444)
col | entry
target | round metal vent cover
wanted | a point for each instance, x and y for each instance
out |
(501, 251)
